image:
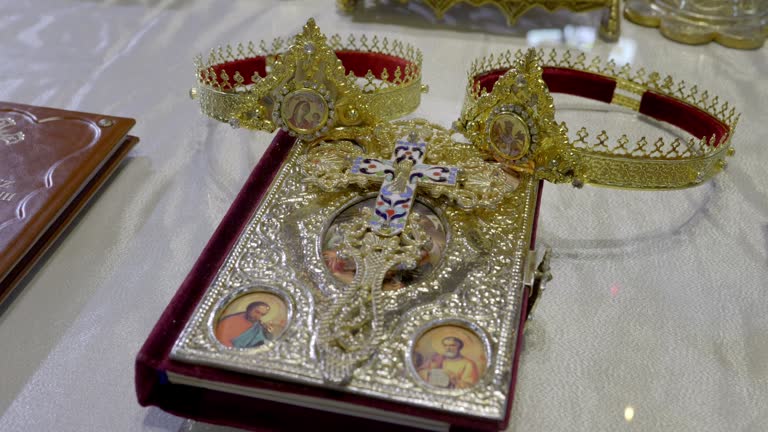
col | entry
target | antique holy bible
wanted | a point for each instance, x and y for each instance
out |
(52, 162)
(299, 312)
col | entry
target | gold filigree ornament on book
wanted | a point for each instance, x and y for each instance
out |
(509, 115)
(309, 84)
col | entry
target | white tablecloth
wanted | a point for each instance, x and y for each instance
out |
(658, 306)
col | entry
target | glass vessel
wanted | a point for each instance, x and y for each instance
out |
(733, 23)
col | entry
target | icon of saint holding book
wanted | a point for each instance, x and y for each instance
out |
(252, 327)
(441, 361)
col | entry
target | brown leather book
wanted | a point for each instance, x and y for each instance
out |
(52, 162)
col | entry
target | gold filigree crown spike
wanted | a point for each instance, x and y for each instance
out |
(643, 164)
(515, 123)
(309, 84)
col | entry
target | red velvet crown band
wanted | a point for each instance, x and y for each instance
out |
(691, 119)
(357, 62)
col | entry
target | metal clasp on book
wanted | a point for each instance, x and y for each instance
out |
(541, 276)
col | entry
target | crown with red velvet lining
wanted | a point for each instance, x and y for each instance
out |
(509, 114)
(309, 84)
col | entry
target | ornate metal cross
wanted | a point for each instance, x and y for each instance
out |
(352, 324)
(400, 177)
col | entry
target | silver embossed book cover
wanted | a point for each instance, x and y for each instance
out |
(385, 262)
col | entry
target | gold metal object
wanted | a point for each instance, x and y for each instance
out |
(521, 95)
(609, 25)
(481, 184)
(628, 94)
(303, 87)
(644, 164)
(343, 347)
(741, 24)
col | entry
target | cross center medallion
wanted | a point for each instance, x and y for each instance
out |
(400, 176)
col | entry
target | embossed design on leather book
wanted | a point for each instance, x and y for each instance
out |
(51, 162)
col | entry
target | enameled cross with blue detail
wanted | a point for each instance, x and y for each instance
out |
(400, 176)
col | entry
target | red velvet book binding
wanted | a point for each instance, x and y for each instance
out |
(154, 362)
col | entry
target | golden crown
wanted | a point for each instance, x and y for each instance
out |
(331, 81)
(646, 164)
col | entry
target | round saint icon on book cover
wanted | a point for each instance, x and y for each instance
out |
(252, 319)
(449, 357)
(397, 277)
